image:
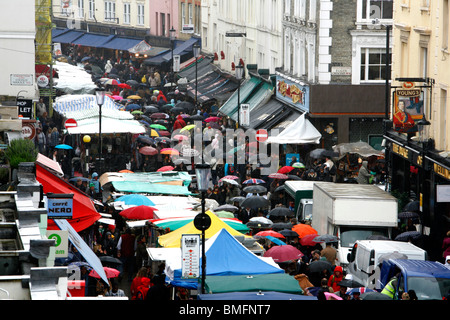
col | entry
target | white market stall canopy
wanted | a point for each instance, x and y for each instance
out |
(301, 131)
(73, 79)
(91, 126)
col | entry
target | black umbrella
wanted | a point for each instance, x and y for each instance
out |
(185, 105)
(177, 110)
(166, 108)
(237, 199)
(132, 82)
(288, 233)
(325, 238)
(392, 255)
(281, 212)
(195, 117)
(161, 121)
(408, 215)
(145, 139)
(412, 206)
(74, 179)
(255, 189)
(151, 109)
(293, 177)
(374, 295)
(254, 202)
(350, 283)
(319, 266)
(280, 188)
(110, 260)
(277, 226)
(321, 153)
(162, 139)
(144, 117)
(408, 235)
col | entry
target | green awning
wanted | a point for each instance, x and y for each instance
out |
(230, 107)
(145, 187)
(280, 282)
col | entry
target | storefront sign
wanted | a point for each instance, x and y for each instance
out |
(293, 93)
(25, 107)
(190, 256)
(442, 171)
(60, 206)
(28, 130)
(401, 151)
(61, 242)
(21, 79)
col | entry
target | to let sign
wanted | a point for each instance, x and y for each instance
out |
(60, 206)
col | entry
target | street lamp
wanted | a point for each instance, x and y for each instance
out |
(172, 42)
(196, 51)
(423, 127)
(100, 97)
(202, 221)
(239, 76)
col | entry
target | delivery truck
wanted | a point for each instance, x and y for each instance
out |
(301, 192)
(366, 257)
(352, 212)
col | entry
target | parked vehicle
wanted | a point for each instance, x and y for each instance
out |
(302, 194)
(430, 280)
(352, 212)
(366, 257)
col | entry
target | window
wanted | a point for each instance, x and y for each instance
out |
(442, 120)
(287, 7)
(140, 14)
(110, 10)
(80, 8)
(373, 64)
(183, 13)
(163, 24)
(380, 9)
(190, 13)
(312, 10)
(91, 9)
(126, 13)
(445, 25)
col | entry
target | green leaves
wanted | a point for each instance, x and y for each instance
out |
(21, 150)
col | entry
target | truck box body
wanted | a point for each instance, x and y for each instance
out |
(367, 255)
(359, 210)
(300, 190)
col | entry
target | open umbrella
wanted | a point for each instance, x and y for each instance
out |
(412, 206)
(254, 202)
(325, 238)
(275, 240)
(154, 133)
(408, 235)
(188, 127)
(137, 112)
(132, 83)
(375, 295)
(180, 137)
(195, 117)
(158, 126)
(283, 253)
(145, 139)
(124, 86)
(391, 255)
(253, 181)
(169, 151)
(224, 214)
(63, 147)
(237, 199)
(111, 82)
(126, 171)
(135, 200)
(212, 119)
(319, 266)
(272, 233)
(148, 151)
(141, 212)
(110, 261)
(350, 283)
(74, 179)
(230, 181)
(288, 233)
(162, 139)
(304, 229)
(408, 215)
(308, 240)
(110, 273)
(181, 160)
(116, 97)
(277, 226)
(255, 189)
(281, 212)
(165, 168)
(151, 109)
(132, 106)
(227, 207)
(134, 97)
(261, 220)
(285, 169)
(278, 176)
(159, 115)
(298, 165)
(185, 105)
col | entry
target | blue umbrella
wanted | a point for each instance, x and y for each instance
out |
(132, 106)
(136, 200)
(63, 146)
(276, 241)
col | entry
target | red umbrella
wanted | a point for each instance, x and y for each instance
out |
(166, 168)
(180, 137)
(110, 273)
(285, 169)
(124, 86)
(126, 171)
(159, 115)
(164, 133)
(148, 151)
(283, 253)
(304, 230)
(308, 240)
(141, 212)
(169, 151)
(278, 176)
(212, 119)
(272, 233)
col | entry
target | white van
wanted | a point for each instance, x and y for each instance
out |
(366, 256)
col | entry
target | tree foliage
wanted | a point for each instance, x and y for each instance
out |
(21, 150)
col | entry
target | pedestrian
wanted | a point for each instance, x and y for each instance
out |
(115, 291)
(363, 174)
(125, 252)
(143, 289)
(159, 291)
(54, 139)
(40, 108)
(335, 278)
(137, 281)
(330, 253)
(390, 289)
(179, 123)
(324, 287)
(94, 180)
(141, 251)
(40, 141)
(446, 245)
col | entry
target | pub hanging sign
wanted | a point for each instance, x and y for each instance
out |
(408, 108)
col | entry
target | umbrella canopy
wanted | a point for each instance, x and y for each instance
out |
(126, 171)
(254, 202)
(374, 296)
(63, 147)
(392, 255)
(137, 112)
(154, 133)
(277, 241)
(195, 117)
(253, 181)
(325, 238)
(132, 106)
(151, 109)
(285, 169)
(110, 273)
(116, 97)
(181, 160)
(124, 86)
(304, 229)
(141, 212)
(185, 105)
(408, 235)
(227, 207)
(408, 215)
(298, 165)
(74, 179)
(283, 253)
(278, 176)
(308, 240)
(272, 233)
(180, 137)
(229, 181)
(158, 126)
(319, 266)
(188, 127)
(288, 233)
(165, 168)
(132, 83)
(159, 115)
(224, 214)
(259, 222)
(212, 119)
(350, 283)
(169, 151)
(277, 226)
(237, 199)
(412, 206)
(176, 223)
(228, 177)
(112, 82)
(255, 189)
(110, 260)
(135, 200)
(254, 295)
(145, 139)
(281, 212)
(359, 290)
(148, 151)
(134, 97)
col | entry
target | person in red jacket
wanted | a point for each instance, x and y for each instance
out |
(179, 123)
(161, 96)
(335, 278)
(125, 252)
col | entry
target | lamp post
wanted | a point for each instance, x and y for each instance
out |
(172, 42)
(423, 127)
(239, 76)
(202, 221)
(196, 51)
(100, 97)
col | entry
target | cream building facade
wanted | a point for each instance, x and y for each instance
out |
(421, 37)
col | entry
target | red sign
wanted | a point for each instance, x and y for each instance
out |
(262, 135)
(70, 123)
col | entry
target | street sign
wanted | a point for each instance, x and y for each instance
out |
(244, 117)
(70, 123)
(190, 256)
(262, 135)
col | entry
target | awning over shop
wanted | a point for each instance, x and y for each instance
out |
(91, 40)
(156, 188)
(181, 49)
(301, 131)
(84, 213)
(204, 66)
(120, 43)
(109, 125)
(253, 92)
(273, 115)
(66, 35)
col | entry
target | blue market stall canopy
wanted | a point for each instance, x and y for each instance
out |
(181, 49)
